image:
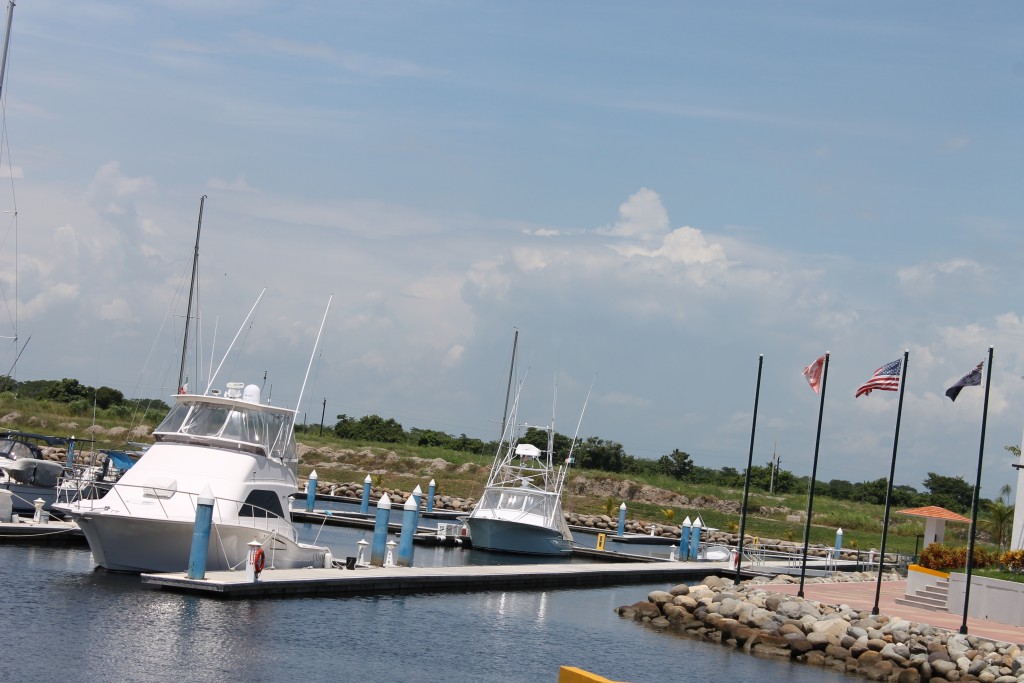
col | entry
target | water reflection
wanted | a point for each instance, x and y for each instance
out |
(109, 627)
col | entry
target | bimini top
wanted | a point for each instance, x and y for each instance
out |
(230, 422)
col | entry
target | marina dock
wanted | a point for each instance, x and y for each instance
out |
(390, 580)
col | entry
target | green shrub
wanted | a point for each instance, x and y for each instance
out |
(1012, 560)
(944, 558)
(79, 407)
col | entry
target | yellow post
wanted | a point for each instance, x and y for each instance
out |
(600, 541)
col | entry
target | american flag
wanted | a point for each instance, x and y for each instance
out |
(886, 378)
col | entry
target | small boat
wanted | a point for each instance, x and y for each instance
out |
(25, 471)
(240, 448)
(520, 510)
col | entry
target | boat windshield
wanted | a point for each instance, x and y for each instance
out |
(257, 430)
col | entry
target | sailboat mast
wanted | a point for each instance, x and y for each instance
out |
(7, 42)
(191, 294)
(508, 389)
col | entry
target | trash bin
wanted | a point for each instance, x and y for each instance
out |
(350, 563)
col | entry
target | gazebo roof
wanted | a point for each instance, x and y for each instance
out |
(935, 512)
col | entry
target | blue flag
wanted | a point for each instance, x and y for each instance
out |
(971, 379)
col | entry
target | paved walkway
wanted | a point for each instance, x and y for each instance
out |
(861, 595)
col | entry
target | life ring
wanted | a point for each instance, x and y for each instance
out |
(259, 560)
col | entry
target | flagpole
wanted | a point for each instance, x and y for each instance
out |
(892, 473)
(814, 474)
(977, 491)
(746, 481)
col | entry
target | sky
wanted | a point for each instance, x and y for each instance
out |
(653, 195)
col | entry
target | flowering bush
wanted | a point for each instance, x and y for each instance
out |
(944, 558)
(1012, 560)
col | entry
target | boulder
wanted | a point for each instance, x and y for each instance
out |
(660, 597)
(833, 627)
(646, 610)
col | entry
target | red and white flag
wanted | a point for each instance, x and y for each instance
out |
(813, 374)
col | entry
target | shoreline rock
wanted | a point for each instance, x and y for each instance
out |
(753, 618)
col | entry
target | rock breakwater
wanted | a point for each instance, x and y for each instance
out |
(753, 618)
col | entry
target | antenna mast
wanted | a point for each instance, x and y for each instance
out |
(191, 293)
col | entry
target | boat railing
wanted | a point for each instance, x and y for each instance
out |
(225, 510)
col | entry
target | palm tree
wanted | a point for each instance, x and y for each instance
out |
(998, 518)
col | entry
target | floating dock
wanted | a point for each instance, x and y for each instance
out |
(391, 580)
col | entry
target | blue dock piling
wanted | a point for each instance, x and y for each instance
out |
(364, 507)
(417, 495)
(695, 539)
(201, 535)
(622, 520)
(431, 490)
(839, 544)
(311, 491)
(684, 539)
(405, 545)
(380, 531)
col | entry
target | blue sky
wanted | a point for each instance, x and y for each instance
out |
(655, 194)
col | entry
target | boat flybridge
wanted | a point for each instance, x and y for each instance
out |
(240, 448)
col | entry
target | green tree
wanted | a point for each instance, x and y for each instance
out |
(872, 491)
(676, 464)
(106, 397)
(998, 520)
(841, 489)
(599, 454)
(68, 390)
(949, 492)
(369, 428)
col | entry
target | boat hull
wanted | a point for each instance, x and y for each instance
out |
(515, 537)
(124, 543)
(24, 495)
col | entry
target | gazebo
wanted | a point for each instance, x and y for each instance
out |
(935, 519)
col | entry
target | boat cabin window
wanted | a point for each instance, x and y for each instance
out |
(261, 504)
(268, 432)
(16, 449)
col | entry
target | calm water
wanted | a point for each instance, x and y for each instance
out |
(67, 621)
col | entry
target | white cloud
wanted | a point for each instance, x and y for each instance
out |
(118, 309)
(924, 275)
(642, 217)
(109, 180)
(7, 171)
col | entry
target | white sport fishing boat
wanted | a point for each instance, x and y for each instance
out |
(244, 451)
(520, 510)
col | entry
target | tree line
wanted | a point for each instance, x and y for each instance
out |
(595, 453)
(81, 399)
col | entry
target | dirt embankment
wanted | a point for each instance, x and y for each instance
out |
(342, 463)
